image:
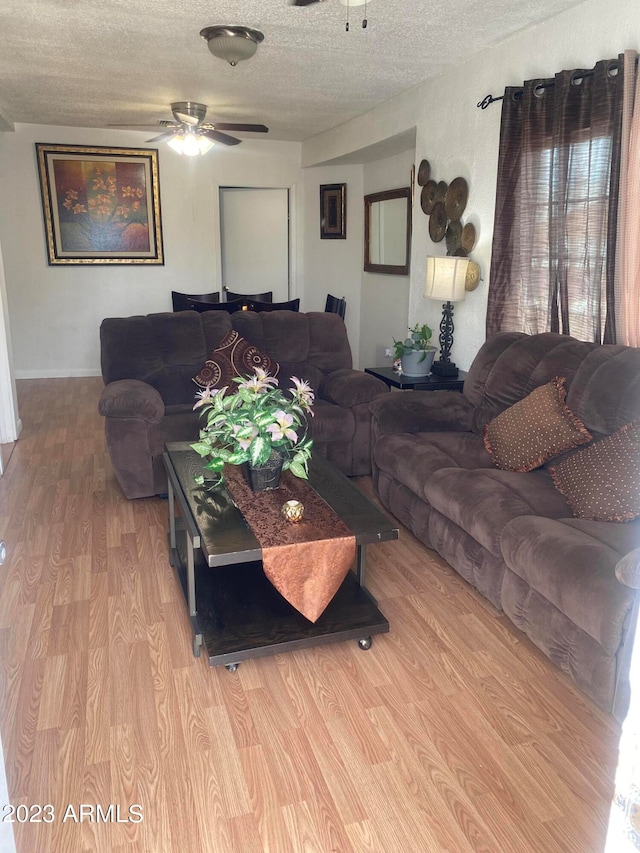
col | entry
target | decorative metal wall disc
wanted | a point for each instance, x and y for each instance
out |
(424, 170)
(437, 222)
(460, 252)
(453, 236)
(468, 239)
(428, 197)
(456, 198)
(472, 277)
(441, 191)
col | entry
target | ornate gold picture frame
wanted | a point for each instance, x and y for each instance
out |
(100, 205)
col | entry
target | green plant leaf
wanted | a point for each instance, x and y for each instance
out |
(201, 448)
(245, 432)
(215, 464)
(298, 470)
(259, 451)
(263, 419)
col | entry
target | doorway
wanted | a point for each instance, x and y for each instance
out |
(254, 240)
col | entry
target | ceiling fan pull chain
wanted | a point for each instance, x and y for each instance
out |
(346, 28)
(364, 20)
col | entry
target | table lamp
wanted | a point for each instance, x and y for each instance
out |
(446, 279)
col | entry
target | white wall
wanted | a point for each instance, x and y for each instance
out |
(10, 424)
(460, 140)
(384, 300)
(56, 311)
(334, 266)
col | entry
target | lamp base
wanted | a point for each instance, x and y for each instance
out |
(444, 368)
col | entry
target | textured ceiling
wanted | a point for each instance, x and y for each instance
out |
(86, 63)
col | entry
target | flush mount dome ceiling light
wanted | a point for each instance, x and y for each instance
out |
(231, 43)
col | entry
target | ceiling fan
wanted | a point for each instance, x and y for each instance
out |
(344, 2)
(347, 3)
(188, 124)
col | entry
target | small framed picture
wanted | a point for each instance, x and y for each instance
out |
(333, 211)
(100, 205)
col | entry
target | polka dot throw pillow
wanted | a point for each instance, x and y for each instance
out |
(602, 482)
(534, 430)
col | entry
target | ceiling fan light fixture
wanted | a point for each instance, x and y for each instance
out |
(232, 43)
(190, 144)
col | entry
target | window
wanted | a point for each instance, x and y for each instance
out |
(553, 263)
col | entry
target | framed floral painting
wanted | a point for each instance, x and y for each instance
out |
(100, 205)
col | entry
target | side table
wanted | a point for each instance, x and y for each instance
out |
(418, 383)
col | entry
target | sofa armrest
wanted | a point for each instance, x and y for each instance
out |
(347, 387)
(131, 398)
(421, 411)
(628, 569)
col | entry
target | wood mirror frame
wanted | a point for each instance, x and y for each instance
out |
(404, 239)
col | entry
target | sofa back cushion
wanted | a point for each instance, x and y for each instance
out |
(305, 345)
(168, 349)
(605, 392)
(511, 364)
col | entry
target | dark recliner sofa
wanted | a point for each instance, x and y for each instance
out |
(512, 535)
(148, 363)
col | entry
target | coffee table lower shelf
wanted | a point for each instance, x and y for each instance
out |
(240, 615)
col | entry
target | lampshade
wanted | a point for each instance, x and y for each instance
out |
(231, 43)
(446, 279)
(190, 144)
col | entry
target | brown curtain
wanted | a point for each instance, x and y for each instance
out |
(553, 256)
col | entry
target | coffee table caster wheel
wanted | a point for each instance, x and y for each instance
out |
(365, 643)
(231, 667)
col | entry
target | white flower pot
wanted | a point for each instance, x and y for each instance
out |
(418, 363)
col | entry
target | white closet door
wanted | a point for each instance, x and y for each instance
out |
(254, 226)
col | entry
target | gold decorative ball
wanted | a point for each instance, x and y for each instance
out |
(293, 511)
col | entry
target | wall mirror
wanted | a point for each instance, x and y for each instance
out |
(387, 231)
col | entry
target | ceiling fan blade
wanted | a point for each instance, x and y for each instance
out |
(305, 2)
(149, 125)
(220, 137)
(161, 137)
(241, 128)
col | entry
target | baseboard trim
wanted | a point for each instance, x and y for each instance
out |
(55, 373)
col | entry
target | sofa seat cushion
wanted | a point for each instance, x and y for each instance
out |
(482, 502)
(571, 567)
(348, 388)
(413, 458)
(331, 423)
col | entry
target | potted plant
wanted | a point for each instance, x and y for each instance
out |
(415, 351)
(257, 426)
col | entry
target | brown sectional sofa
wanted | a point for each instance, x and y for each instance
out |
(512, 535)
(148, 363)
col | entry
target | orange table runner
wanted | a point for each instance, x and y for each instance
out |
(306, 561)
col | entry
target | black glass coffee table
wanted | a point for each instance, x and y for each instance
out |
(236, 613)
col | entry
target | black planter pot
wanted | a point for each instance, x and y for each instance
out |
(265, 476)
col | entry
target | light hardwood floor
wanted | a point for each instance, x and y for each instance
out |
(452, 733)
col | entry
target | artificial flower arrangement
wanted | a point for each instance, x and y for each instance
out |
(248, 425)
